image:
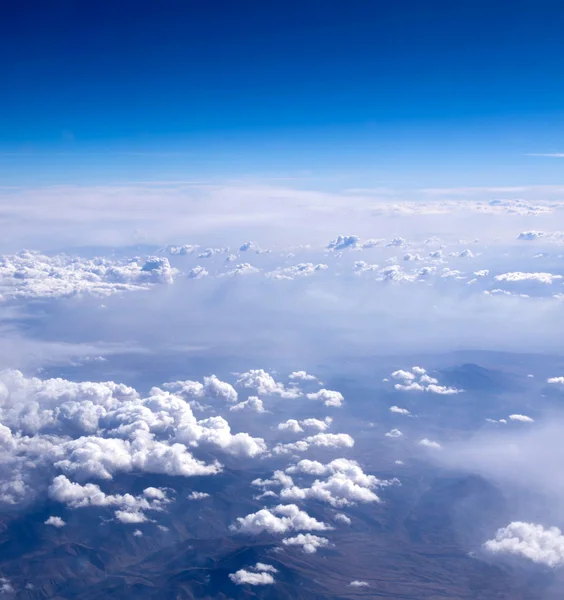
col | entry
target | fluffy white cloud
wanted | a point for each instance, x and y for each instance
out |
(426, 383)
(394, 433)
(197, 272)
(302, 376)
(399, 411)
(328, 397)
(252, 404)
(317, 424)
(242, 577)
(357, 583)
(521, 418)
(265, 385)
(342, 518)
(290, 425)
(556, 381)
(541, 545)
(130, 517)
(277, 520)
(405, 375)
(345, 483)
(95, 430)
(212, 389)
(55, 522)
(197, 495)
(299, 270)
(330, 441)
(531, 235)
(429, 444)
(344, 241)
(294, 426)
(129, 508)
(265, 568)
(441, 389)
(517, 276)
(309, 542)
(33, 275)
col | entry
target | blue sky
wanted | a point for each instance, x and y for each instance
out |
(418, 93)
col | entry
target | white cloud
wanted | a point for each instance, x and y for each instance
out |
(357, 584)
(290, 425)
(34, 275)
(556, 381)
(96, 430)
(302, 376)
(265, 385)
(130, 517)
(197, 272)
(252, 404)
(197, 495)
(521, 418)
(441, 389)
(541, 545)
(265, 568)
(405, 375)
(399, 411)
(429, 444)
(531, 235)
(345, 483)
(394, 433)
(279, 519)
(299, 270)
(242, 577)
(317, 424)
(517, 276)
(309, 542)
(342, 518)
(344, 241)
(55, 522)
(330, 441)
(328, 397)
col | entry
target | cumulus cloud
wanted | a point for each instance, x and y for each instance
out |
(541, 545)
(309, 542)
(517, 276)
(291, 425)
(34, 275)
(394, 433)
(399, 411)
(343, 242)
(329, 441)
(521, 418)
(277, 520)
(93, 430)
(265, 385)
(197, 495)
(345, 483)
(342, 518)
(531, 235)
(242, 577)
(295, 271)
(357, 584)
(55, 522)
(328, 397)
(302, 376)
(427, 443)
(197, 272)
(425, 383)
(252, 404)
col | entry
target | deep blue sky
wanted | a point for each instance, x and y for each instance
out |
(280, 86)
